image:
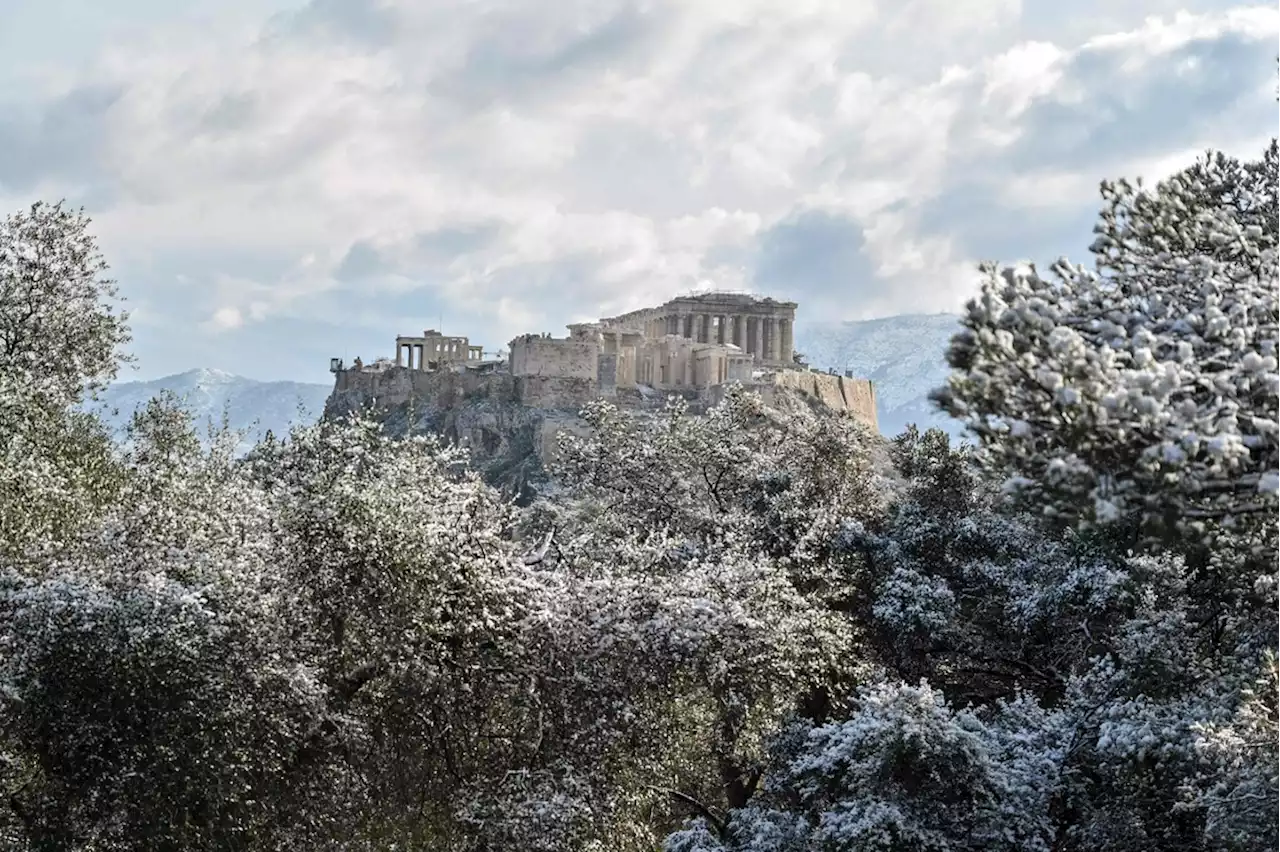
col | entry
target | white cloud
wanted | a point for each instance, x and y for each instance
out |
(224, 319)
(515, 166)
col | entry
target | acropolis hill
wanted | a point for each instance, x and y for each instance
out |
(694, 347)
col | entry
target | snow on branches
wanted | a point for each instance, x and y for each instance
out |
(1149, 385)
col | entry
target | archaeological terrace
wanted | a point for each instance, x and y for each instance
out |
(693, 346)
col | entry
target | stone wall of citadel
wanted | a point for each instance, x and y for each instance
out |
(389, 388)
(532, 355)
(396, 386)
(840, 393)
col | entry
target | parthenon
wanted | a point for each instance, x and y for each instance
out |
(761, 328)
(690, 343)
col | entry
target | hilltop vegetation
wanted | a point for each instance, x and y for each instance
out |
(753, 631)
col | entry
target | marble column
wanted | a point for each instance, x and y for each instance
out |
(788, 340)
(757, 345)
(723, 337)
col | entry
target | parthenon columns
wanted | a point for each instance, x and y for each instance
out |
(768, 337)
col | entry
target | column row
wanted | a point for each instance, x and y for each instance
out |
(768, 338)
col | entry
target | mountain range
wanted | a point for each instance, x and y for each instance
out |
(249, 405)
(902, 355)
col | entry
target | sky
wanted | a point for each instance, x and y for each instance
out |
(276, 182)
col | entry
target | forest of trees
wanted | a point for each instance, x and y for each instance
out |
(753, 631)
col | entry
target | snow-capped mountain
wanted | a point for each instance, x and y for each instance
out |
(905, 356)
(207, 394)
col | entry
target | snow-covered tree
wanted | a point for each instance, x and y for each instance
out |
(1150, 385)
(903, 771)
(143, 688)
(1139, 397)
(60, 330)
(60, 338)
(705, 544)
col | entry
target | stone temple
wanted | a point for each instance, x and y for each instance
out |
(694, 346)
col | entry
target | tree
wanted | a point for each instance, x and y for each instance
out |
(60, 338)
(903, 771)
(710, 540)
(1139, 398)
(149, 693)
(1150, 385)
(60, 333)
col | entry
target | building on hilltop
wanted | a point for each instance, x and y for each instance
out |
(690, 343)
(762, 329)
(694, 346)
(434, 350)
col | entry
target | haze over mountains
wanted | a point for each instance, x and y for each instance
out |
(249, 405)
(902, 355)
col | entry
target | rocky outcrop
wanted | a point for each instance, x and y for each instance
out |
(511, 441)
(481, 412)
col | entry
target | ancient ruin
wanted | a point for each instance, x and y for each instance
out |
(694, 346)
(433, 350)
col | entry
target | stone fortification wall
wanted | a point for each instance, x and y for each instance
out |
(856, 396)
(860, 398)
(555, 392)
(391, 387)
(532, 355)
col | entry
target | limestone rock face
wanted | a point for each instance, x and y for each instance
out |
(509, 423)
(480, 412)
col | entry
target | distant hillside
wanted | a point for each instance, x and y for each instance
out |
(249, 404)
(905, 356)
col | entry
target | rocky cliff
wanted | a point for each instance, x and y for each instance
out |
(479, 411)
(511, 441)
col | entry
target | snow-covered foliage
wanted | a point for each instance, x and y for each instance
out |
(1149, 385)
(743, 476)
(749, 631)
(60, 333)
(60, 339)
(903, 771)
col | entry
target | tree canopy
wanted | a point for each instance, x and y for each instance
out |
(762, 629)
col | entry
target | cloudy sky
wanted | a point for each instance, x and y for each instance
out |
(275, 182)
